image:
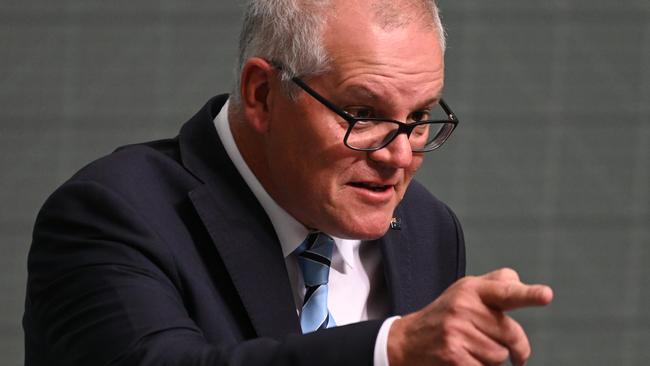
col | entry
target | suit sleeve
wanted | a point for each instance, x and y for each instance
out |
(102, 290)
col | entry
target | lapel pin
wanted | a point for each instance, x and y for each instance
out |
(396, 223)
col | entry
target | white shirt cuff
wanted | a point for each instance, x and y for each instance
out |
(381, 344)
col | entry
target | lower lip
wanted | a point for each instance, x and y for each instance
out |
(375, 197)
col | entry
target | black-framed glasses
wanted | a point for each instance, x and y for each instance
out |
(371, 133)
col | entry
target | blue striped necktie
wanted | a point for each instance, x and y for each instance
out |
(314, 257)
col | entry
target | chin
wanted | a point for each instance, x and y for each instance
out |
(369, 229)
(351, 218)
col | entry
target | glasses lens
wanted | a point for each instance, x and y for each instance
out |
(425, 136)
(430, 136)
(373, 134)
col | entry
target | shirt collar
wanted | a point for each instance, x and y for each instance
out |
(290, 232)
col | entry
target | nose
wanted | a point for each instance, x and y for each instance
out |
(397, 154)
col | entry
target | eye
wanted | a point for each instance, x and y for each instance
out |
(420, 130)
(360, 112)
(418, 116)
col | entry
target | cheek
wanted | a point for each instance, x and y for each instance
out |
(328, 185)
(413, 168)
(324, 156)
(330, 175)
(310, 161)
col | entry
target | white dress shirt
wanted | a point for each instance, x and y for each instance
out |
(356, 283)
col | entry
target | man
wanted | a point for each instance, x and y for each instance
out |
(192, 251)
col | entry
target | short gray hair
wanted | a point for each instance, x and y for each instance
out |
(290, 33)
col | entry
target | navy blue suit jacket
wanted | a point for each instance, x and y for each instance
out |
(159, 254)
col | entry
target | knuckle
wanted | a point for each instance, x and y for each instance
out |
(523, 346)
(466, 286)
(521, 353)
(449, 328)
(508, 273)
(513, 331)
(517, 340)
(459, 305)
(451, 353)
(498, 354)
(465, 282)
(526, 353)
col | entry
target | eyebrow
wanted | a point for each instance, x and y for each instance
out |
(365, 93)
(362, 92)
(432, 101)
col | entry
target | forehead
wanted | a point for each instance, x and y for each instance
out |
(364, 54)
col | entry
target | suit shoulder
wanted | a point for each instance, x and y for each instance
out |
(138, 169)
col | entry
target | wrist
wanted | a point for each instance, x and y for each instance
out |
(396, 341)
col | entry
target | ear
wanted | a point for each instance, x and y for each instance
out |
(256, 79)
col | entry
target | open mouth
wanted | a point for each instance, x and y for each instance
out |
(371, 186)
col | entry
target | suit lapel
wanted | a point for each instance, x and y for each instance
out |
(398, 269)
(408, 276)
(414, 273)
(239, 228)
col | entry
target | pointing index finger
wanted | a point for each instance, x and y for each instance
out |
(509, 295)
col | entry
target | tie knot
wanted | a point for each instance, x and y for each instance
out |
(314, 257)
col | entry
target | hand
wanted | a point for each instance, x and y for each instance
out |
(467, 324)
